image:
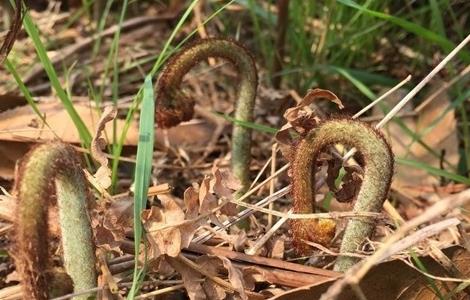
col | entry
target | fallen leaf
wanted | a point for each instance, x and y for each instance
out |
(98, 143)
(14, 123)
(396, 280)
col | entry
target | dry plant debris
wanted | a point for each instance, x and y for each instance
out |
(194, 245)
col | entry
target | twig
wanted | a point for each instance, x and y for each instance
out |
(272, 183)
(243, 214)
(442, 88)
(226, 285)
(423, 82)
(160, 291)
(260, 242)
(354, 275)
(388, 93)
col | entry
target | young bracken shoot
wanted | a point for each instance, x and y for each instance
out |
(378, 170)
(173, 106)
(53, 169)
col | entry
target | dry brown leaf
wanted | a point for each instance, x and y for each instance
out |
(207, 200)
(301, 119)
(111, 220)
(223, 184)
(98, 143)
(192, 279)
(168, 240)
(199, 287)
(15, 124)
(396, 280)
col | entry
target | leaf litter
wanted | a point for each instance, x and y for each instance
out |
(195, 206)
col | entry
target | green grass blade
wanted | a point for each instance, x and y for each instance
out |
(101, 24)
(251, 125)
(432, 283)
(33, 33)
(26, 93)
(143, 170)
(427, 34)
(432, 170)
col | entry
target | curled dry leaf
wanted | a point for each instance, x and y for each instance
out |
(103, 174)
(301, 119)
(350, 183)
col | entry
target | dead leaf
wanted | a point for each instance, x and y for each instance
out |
(14, 123)
(223, 184)
(165, 239)
(98, 142)
(301, 119)
(111, 220)
(191, 278)
(168, 240)
(395, 280)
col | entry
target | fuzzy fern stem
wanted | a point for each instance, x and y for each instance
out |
(49, 174)
(173, 106)
(378, 170)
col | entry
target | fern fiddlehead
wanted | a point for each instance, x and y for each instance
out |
(173, 106)
(49, 171)
(378, 170)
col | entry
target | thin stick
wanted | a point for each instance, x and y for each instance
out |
(260, 242)
(242, 215)
(331, 215)
(160, 291)
(352, 151)
(388, 93)
(423, 82)
(354, 275)
(271, 184)
(444, 87)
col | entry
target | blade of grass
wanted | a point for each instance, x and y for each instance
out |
(33, 33)
(101, 24)
(428, 35)
(432, 283)
(437, 23)
(432, 170)
(26, 93)
(466, 138)
(251, 125)
(143, 170)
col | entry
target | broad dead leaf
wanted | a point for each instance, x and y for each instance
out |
(16, 123)
(396, 280)
(164, 240)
